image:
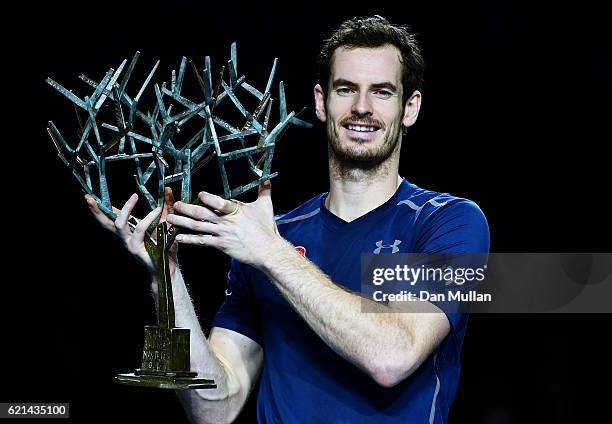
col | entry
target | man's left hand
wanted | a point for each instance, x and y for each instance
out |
(242, 230)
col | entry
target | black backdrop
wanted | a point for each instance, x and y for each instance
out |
(514, 117)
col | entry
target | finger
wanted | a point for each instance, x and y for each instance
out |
(200, 240)
(168, 202)
(265, 190)
(194, 225)
(264, 197)
(141, 229)
(216, 203)
(124, 215)
(98, 214)
(199, 213)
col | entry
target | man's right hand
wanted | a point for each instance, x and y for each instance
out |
(231, 359)
(134, 241)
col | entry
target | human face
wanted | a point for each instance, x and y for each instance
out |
(363, 110)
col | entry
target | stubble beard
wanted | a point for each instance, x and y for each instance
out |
(351, 163)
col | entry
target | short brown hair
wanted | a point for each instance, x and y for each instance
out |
(371, 32)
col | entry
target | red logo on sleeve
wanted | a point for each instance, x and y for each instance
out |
(301, 250)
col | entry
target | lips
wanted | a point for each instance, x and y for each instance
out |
(361, 131)
(361, 127)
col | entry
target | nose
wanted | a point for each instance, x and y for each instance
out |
(362, 104)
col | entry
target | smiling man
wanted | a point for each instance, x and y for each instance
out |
(364, 113)
(293, 311)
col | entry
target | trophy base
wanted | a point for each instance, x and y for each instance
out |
(168, 380)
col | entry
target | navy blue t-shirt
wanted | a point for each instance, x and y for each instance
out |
(304, 380)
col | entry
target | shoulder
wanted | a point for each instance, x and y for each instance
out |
(445, 221)
(429, 204)
(302, 213)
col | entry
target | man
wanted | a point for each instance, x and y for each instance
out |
(294, 282)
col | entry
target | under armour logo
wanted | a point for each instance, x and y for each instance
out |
(228, 292)
(393, 247)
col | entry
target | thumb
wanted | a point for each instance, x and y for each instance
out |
(265, 191)
(168, 202)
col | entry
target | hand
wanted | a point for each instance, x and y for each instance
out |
(241, 230)
(134, 241)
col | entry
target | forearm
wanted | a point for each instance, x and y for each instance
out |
(204, 405)
(386, 344)
(380, 341)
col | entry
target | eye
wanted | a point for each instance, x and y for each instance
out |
(344, 91)
(382, 94)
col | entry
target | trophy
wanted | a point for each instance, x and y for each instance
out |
(168, 143)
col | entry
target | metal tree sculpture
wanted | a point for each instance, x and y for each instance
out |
(159, 143)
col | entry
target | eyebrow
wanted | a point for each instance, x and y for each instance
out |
(376, 86)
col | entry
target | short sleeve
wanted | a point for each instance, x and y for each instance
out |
(240, 312)
(458, 226)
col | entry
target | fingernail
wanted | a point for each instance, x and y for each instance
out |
(179, 238)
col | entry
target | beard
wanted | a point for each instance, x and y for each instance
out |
(346, 159)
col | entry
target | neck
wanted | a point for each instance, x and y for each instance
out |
(355, 192)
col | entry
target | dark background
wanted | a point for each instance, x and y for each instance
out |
(515, 117)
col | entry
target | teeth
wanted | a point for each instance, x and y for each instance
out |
(361, 128)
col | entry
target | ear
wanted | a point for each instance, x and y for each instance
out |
(319, 98)
(411, 109)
